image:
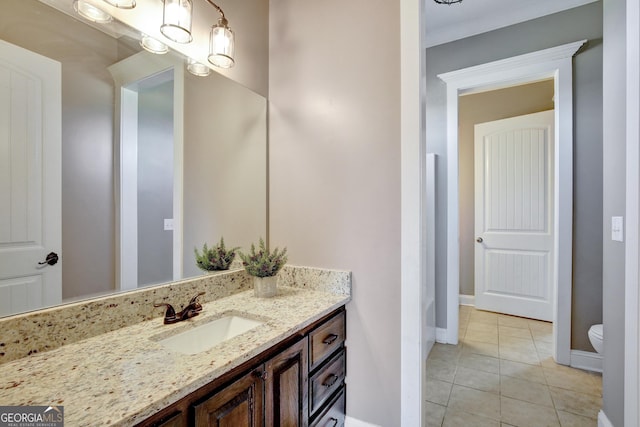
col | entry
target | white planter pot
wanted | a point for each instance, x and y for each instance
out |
(265, 287)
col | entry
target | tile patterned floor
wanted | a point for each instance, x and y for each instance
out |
(501, 374)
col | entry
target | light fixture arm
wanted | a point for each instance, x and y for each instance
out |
(219, 9)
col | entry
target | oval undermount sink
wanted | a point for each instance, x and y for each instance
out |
(208, 335)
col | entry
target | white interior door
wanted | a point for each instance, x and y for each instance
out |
(514, 226)
(30, 180)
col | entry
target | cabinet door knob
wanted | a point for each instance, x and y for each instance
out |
(334, 422)
(258, 374)
(479, 240)
(330, 339)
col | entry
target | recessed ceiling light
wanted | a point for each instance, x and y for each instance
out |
(91, 12)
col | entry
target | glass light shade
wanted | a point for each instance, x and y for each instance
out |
(122, 4)
(152, 45)
(176, 20)
(221, 46)
(197, 69)
(91, 12)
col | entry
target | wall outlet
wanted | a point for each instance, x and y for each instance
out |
(617, 229)
(168, 224)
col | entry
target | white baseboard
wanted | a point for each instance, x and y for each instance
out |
(467, 300)
(603, 421)
(586, 360)
(354, 422)
(441, 335)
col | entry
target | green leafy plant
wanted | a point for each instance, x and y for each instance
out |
(215, 258)
(263, 263)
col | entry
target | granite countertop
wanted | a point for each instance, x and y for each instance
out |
(124, 376)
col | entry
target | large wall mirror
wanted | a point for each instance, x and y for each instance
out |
(154, 161)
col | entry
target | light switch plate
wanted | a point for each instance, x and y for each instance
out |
(168, 224)
(617, 229)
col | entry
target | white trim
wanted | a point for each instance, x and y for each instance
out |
(587, 360)
(603, 421)
(441, 335)
(553, 63)
(632, 240)
(428, 309)
(467, 300)
(354, 422)
(412, 157)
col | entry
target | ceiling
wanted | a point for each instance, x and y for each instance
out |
(445, 23)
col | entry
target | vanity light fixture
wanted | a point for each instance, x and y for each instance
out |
(176, 20)
(122, 4)
(221, 41)
(152, 45)
(91, 12)
(197, 69)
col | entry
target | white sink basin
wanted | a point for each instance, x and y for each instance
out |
(208, 335)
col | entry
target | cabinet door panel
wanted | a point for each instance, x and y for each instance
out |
(238, 405)
(286, 387)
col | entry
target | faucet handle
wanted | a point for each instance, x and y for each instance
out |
(170, 314)
(194, 304)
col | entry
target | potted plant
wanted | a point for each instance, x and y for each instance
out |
(264, 264)
(215, 258)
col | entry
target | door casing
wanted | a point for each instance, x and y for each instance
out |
(553, 63)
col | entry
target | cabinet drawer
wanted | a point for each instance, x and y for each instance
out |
(334, 414)
(327, 380)
(326, 338)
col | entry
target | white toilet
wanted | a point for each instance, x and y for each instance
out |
(596, 337)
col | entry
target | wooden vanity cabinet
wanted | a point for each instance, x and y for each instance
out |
(297, 383)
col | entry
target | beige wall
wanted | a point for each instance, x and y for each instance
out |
(225, 155)
(480, 108)
(334, 189)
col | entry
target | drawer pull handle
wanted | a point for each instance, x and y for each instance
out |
(334, 422)
(331, 380)
(330, 339)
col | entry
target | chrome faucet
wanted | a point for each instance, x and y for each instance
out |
(192, 309)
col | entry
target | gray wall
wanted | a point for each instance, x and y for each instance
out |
(480, 108)
(614, 158)
(580, 23)
(155, 183)
(334, 159)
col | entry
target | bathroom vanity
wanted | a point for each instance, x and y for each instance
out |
(297, 382)
(288, 370)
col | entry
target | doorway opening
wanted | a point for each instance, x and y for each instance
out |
(149, 170)
(554, 63)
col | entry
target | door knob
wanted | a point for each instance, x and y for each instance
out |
(479, 240)
(51, 259)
